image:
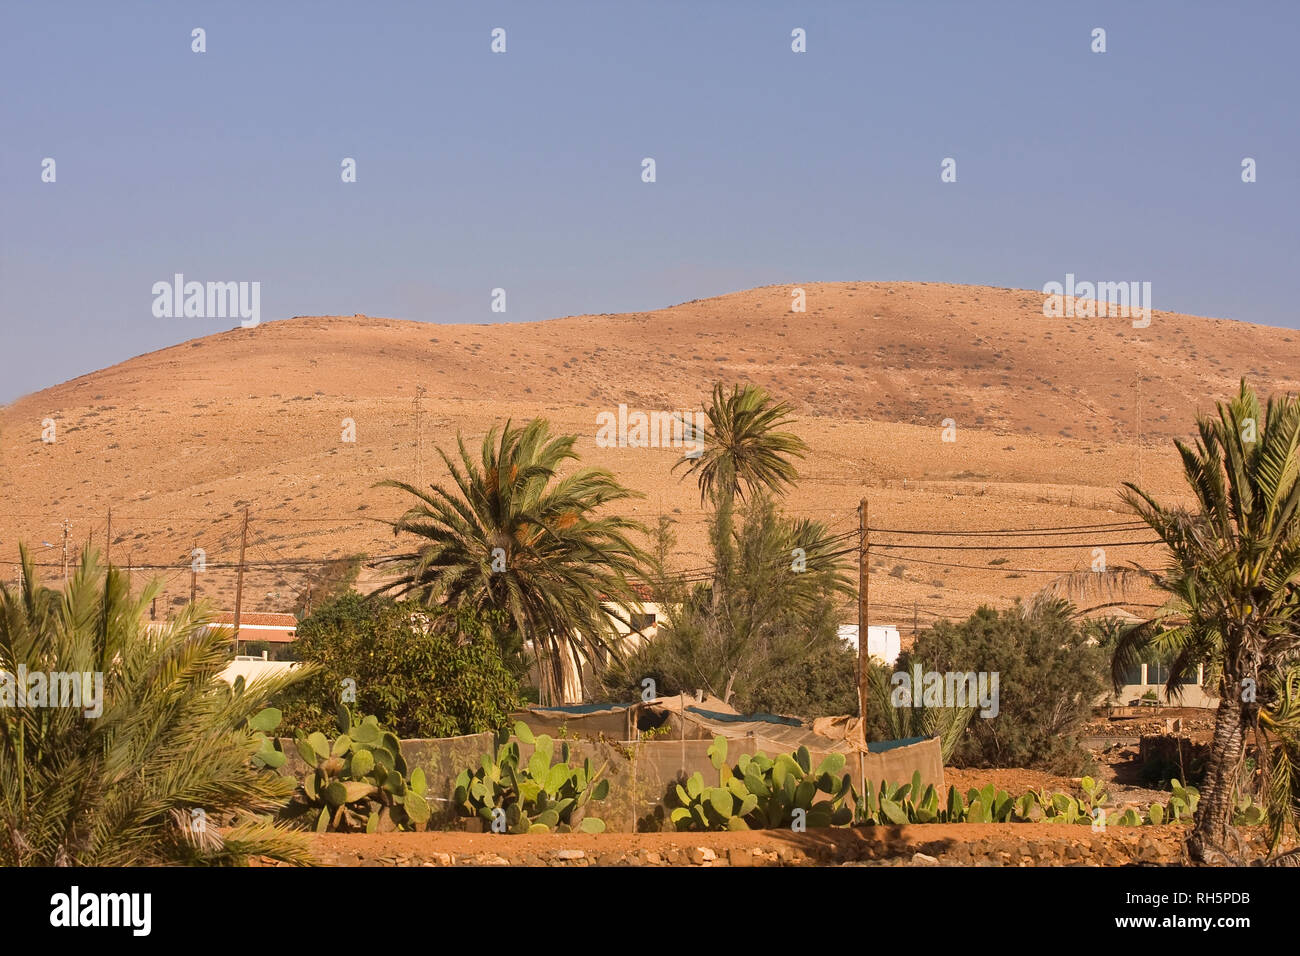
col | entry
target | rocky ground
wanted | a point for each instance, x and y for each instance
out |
(1007, 844)
(1193, 722)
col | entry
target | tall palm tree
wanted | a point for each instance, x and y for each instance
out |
(1233, 582)
(743, 448)
(117, 780)
(775, 607)
(744, 452)
(510, 534)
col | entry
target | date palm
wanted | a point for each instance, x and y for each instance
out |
(1232, 583)
(119, 783)
(744, 450)
(776, 608)
(510, 534)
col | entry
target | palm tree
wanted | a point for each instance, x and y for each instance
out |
(116, 781)
(775, 607)
(1233, 583)
(1279, 757)
(743, 450)
(904, 723)
(511, 535)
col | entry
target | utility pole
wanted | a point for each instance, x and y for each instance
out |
(66, 527)
(1139, 429)
(864, 570)
(194, 582)
(239, 579)
(419, 438)
(1137, 425)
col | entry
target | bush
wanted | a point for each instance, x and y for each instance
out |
(423, 672)
(1048, 675)
(821, 683)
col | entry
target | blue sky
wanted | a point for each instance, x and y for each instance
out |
(523, 170)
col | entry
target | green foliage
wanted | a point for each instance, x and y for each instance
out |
(333, 579)
(511, 534)
(1232, 587)
(907, 803)
(761, 793)
(537, 796)
(761, 635)
(1049, 675)
(819, 682)
(888, 722)
(124, 786)
(1182, 805)
(268, 755)
(423, 672)
(1247, 813)
(358, 781)
(744, 450)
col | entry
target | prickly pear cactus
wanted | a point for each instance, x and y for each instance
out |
(759, 793)
(508, 795)
(358, 781)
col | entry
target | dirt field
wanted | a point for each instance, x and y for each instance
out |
(1004, 844)
(1050, 416)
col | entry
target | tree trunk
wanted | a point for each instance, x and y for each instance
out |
(723, 553)
(726, 692)
(1209, 838)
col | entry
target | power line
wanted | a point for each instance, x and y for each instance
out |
(1020, 547)
(1063, 530)
(990, 567)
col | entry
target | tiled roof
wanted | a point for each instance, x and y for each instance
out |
(274, 619)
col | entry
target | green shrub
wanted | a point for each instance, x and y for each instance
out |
(1049, 676)
(423, 672)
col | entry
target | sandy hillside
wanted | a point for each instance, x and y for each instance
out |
(1050, 414)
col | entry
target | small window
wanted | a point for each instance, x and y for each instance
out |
(641, 622)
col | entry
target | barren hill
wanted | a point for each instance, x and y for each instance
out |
(1050, 415)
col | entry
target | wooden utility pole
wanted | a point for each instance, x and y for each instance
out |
(239, 579)
(864, 570)
(419, 438)
(1138, 427)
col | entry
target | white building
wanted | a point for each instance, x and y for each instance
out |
(642, 625)
(883, 642)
